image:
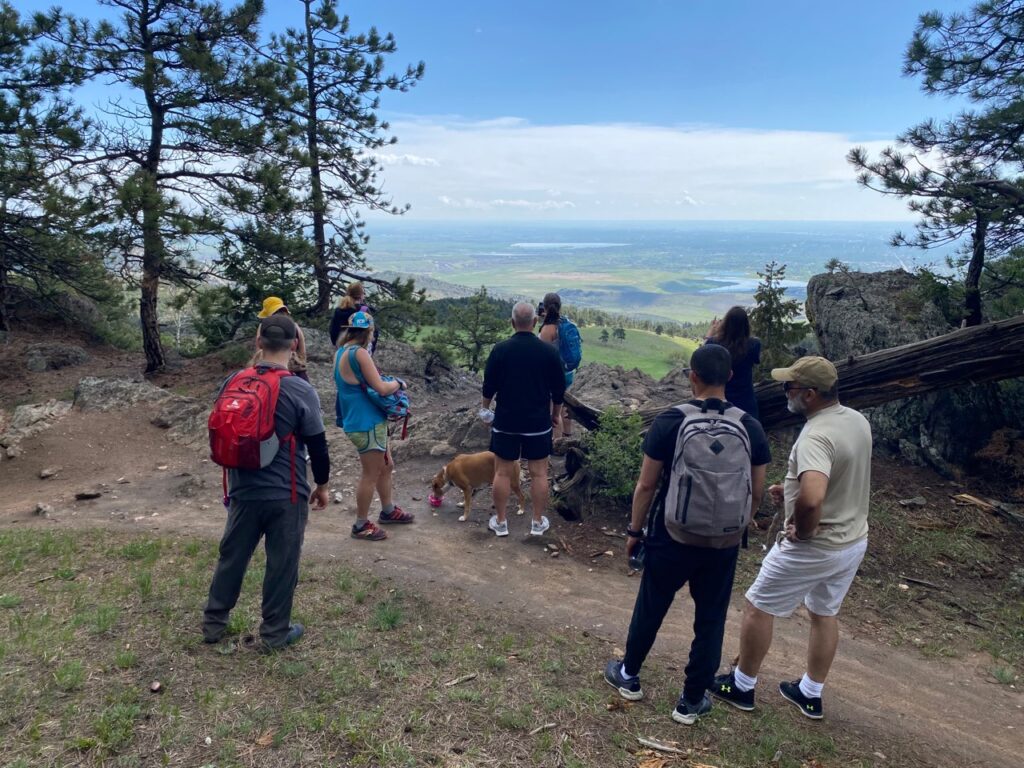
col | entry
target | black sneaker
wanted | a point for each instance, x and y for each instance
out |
(687, 713)
(808, 707)
(628, 687)
(724, 687)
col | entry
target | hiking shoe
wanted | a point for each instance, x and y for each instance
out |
(808, 707)
(396, 515)
(500, 529)
(687, 713)
(368, 532)
(724, 687)
(628, 687)
(295, 631)
(537, 529)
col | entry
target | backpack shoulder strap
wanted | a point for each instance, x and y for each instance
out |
(353, 363)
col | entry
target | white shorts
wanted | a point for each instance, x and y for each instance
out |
(794, 572)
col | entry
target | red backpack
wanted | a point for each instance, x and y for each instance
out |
(242, 434)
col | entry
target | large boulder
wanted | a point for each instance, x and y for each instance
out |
(858, 313)
(603, 386)
(184, 418)
(30, 420)
(51, 356)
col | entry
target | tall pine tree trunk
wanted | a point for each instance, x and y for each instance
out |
(5, 323)
(152, 240)
(972, 290)
(323, 282)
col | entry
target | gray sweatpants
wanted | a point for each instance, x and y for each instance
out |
(283, 524)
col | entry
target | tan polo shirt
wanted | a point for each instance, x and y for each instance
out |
(835, 441)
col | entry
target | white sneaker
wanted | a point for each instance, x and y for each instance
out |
(537, 529)
(500, 529)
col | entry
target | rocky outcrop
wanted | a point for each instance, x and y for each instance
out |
(28, 421)
(184, 418)
(603, 386)
(857, 313)
(50, 356)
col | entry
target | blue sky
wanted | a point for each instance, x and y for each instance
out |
(653, 109)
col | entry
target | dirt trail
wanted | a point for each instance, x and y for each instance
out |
(943, 708)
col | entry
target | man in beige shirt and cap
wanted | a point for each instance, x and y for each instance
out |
(826, 493)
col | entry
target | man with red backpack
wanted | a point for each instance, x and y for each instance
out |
(264, 423)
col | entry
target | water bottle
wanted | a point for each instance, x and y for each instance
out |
(636, 560)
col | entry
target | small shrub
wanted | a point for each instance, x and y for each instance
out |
(387, 616)
(70, 675)
(615, 454)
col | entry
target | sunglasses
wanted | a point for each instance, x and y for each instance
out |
(787, 386)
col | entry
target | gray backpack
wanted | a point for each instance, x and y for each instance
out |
(709, 492)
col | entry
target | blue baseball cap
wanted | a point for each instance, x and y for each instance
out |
(360, 320)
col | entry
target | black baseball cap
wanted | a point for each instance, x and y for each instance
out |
(278, 328)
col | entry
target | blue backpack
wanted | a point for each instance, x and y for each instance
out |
(395, 406)
(570, 344)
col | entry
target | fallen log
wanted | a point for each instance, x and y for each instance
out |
(966, 356)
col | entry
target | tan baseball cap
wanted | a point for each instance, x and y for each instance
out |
(814, 372)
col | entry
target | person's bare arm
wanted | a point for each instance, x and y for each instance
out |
(373, 379)
(807, 509)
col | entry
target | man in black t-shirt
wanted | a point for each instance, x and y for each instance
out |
(527, 377)
(669, 565)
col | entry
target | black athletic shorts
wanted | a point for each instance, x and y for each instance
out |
(514, 447)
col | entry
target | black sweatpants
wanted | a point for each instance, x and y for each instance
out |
(283, 524)
(709, 573)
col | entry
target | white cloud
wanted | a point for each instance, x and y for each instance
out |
(407, 159)
(510, 168)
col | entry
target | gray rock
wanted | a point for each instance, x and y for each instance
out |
(917, 501)
(183, 417)
(864, 312)
(13, 451)
(49, 472)
(43, 510)
(29, 420)
(92, 493)
(50, 356)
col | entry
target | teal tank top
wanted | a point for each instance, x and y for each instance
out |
(357, 412)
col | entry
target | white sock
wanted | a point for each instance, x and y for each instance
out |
(744, 682)
(809, 688)
(624, 673)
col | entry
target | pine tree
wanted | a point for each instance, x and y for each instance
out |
(471, 329)
(46, 223)
(328, 133)
(773, 318)
(963, 175)
(197, 104)
(604, 335)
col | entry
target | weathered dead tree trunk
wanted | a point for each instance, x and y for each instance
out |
(967, 356)
(964, 357)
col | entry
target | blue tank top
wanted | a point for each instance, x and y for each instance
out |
(357, 411)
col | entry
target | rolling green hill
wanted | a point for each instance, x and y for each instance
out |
(654, 355)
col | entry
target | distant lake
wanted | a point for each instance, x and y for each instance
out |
(674, 270)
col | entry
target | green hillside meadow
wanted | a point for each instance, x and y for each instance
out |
(653, 354)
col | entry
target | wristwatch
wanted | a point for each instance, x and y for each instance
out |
(634, 534)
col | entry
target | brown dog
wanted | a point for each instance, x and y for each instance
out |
(470, 471)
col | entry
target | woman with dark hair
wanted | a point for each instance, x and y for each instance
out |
(733, 333)
(550, 312)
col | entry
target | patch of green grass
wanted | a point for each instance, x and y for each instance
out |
(65, 574)
(105, 618)
(653, 354)
(496, 663)
(387, 616)
(1004, 675)
(144, 581)
(9, 601)
(125, 659)
(146, 551)
(114, 726)
(70, 675)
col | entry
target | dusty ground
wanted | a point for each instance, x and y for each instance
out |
(930, 649)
